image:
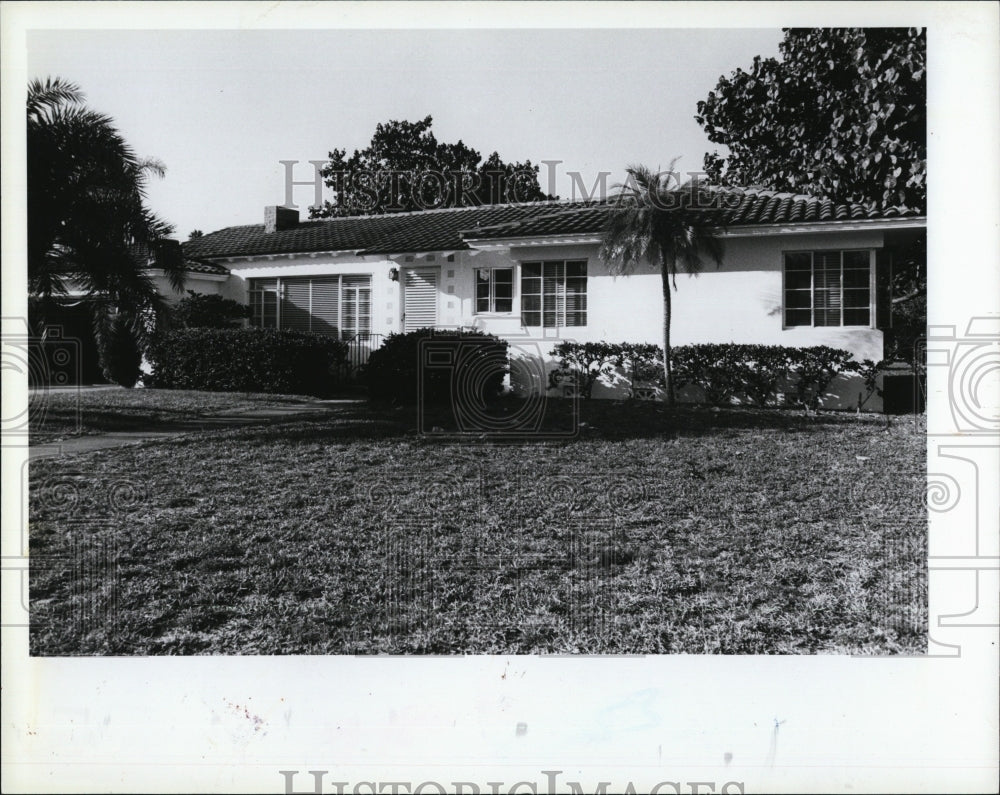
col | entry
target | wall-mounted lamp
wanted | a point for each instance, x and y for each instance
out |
(394, 274)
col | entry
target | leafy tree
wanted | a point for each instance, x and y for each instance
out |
(842, 114)
(405, 167)
(88, 225)
(667, 225)
(195, 234)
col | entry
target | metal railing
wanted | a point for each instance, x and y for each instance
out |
(359, 348)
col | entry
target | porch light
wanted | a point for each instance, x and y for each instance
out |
(394, 274)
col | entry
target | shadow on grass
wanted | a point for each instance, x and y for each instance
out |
(562, 421)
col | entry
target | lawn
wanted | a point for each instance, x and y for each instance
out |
(652, 531)
(60, 414)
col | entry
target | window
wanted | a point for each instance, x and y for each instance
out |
(264, 303)
(495, 290)
(554, 294)
(339, 306)
(356, 316)
(828, 288)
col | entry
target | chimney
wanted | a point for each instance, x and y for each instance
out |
(167, 252)
(278, 218)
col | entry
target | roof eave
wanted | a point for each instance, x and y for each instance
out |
(736, 230)
(813, 227)
(498, 243)
(212, 277)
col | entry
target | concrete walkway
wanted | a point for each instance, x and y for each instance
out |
(100, 441)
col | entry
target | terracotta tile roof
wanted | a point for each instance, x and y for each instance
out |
(201, 266)
(449, 229)
(736, 207)
(430, 230)
(158, 256)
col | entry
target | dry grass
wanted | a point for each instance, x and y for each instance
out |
(650, 532)
(63, 414)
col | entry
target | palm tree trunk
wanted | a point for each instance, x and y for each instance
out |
(668, 382)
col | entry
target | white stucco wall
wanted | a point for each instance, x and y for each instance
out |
(738, 302)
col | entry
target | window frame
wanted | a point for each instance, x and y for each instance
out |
(841, 252)
(278, 290)
(261, 291)
(562, 281)
(514, 291)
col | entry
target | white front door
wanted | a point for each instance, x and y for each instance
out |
(420, 298)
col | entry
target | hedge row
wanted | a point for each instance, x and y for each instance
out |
(246, 360)
(749, 374)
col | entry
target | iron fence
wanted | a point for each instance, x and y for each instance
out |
(359, 348)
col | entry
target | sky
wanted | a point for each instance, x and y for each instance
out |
(222, 108)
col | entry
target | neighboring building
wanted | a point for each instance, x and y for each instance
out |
(798, 271)
(69, 316)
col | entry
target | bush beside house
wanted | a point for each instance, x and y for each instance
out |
(720, 374)
(437, 367)
(246, 360)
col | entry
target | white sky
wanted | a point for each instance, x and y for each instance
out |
(222, 108)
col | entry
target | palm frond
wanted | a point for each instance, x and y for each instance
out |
(51, 94)
(88, 223)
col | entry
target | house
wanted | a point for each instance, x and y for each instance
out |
(798, 271)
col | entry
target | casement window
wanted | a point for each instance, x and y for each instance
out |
(554, 293)
(339, 306)
(828, 288)
(494, 290)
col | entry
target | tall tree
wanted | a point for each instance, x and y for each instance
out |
(668, 225)
(842, 114)
(405, 167)
(89, 228)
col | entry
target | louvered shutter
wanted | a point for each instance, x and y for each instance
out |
(420, 299)
(295, 304)
(325, 307)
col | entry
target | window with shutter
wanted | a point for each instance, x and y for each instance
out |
(338, 306)
(827, 288)
(554, 293)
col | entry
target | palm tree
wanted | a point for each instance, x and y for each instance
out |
(88, 225)
(668, 225)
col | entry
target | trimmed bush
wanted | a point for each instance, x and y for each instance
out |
(587, 361)
(725, 373)
(815, 368)
(746, 373)
(247, 360)
(437, 367)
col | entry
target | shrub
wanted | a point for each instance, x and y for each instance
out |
(814, 368)
(247, 360)
(437, 367)
(723, 372)
(642, 362)
(587, 362)
(119, 354)
(713, 368)
(207, 311)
